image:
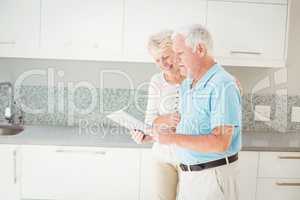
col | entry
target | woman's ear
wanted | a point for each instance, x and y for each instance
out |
(201, 50)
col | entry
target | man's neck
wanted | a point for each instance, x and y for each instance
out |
(207, 64)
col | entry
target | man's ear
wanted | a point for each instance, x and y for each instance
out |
(201, 50)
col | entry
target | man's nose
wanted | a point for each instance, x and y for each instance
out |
(177, 59)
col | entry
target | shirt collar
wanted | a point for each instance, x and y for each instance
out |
(208, 75)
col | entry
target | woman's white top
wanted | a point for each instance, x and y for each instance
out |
(163, 98)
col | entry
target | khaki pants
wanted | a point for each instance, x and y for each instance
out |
(165, 180)
(218, 183)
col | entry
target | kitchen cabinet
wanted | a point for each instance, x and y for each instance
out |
(147, 175)
(75, 29)
(143, 18)
(245, 32)
(79, 173)
(19, 29)
(279, 176)
(248, 165)
(9, 179)
(278, 189)
(248, 34)
(284, 165)
(256, 1)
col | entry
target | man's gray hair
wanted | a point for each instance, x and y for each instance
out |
(194, 35)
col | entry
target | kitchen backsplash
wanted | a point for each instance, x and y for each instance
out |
(261, 112)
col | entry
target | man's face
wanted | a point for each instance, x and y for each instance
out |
(185, 55)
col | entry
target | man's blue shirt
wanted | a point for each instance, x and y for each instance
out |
(213, 101)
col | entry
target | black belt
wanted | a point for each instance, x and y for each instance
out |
(215, 163)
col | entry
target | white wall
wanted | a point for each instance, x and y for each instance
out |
(78, 71)
(5, 73)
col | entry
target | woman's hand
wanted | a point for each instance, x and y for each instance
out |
(167, 121)
(140, 137)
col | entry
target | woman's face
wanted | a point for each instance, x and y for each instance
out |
(166, 60)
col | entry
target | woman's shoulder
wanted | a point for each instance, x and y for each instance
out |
(157, 78)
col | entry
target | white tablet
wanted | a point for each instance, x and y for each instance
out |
(128, 121)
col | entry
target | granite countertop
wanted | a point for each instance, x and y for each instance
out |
(120, 138)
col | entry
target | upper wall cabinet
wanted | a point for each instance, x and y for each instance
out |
(76, 29)
(248, 34)
(19, 27)
(143, 18)
(245, 32)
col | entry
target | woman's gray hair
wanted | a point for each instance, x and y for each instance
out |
(195, 35)
(160, 41)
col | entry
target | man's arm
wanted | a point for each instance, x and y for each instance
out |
(218, 141)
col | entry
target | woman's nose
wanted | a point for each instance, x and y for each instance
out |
(165, 63)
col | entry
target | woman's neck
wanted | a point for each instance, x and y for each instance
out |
(174, 78)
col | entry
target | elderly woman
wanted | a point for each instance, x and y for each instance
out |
(162, 113)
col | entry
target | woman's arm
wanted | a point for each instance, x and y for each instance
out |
(168, 121)
(150, 115)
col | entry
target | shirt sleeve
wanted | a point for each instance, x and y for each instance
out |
(226, 105)
(152, 110)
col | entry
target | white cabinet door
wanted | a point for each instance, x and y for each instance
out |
(143, 18)
(19, 27)
(258, 1)
(147, 189)
(248, 34)
(9, 187)
(248, 163)
(76, 29)
(80, 173)
(279, 165)
(278, 189)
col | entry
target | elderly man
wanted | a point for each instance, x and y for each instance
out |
(208, 137)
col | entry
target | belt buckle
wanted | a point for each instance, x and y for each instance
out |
(227, 160)
(185, 168)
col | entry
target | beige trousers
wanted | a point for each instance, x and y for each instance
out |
(219, 183)
(165, 180)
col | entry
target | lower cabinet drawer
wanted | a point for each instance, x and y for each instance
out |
(79, 173)
(279, 165)
(278, 189)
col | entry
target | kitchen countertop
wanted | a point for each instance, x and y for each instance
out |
(120, 138)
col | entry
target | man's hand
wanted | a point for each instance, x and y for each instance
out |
(140, 138)
(164, 138)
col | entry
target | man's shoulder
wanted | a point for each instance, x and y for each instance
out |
(222, 77)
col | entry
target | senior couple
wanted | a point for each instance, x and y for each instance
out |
(194, 107)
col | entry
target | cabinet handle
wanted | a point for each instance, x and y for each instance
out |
(287, 184)
(81, 152)
(7, 42)
(15, 166)
(245, 52)
(289, 157)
